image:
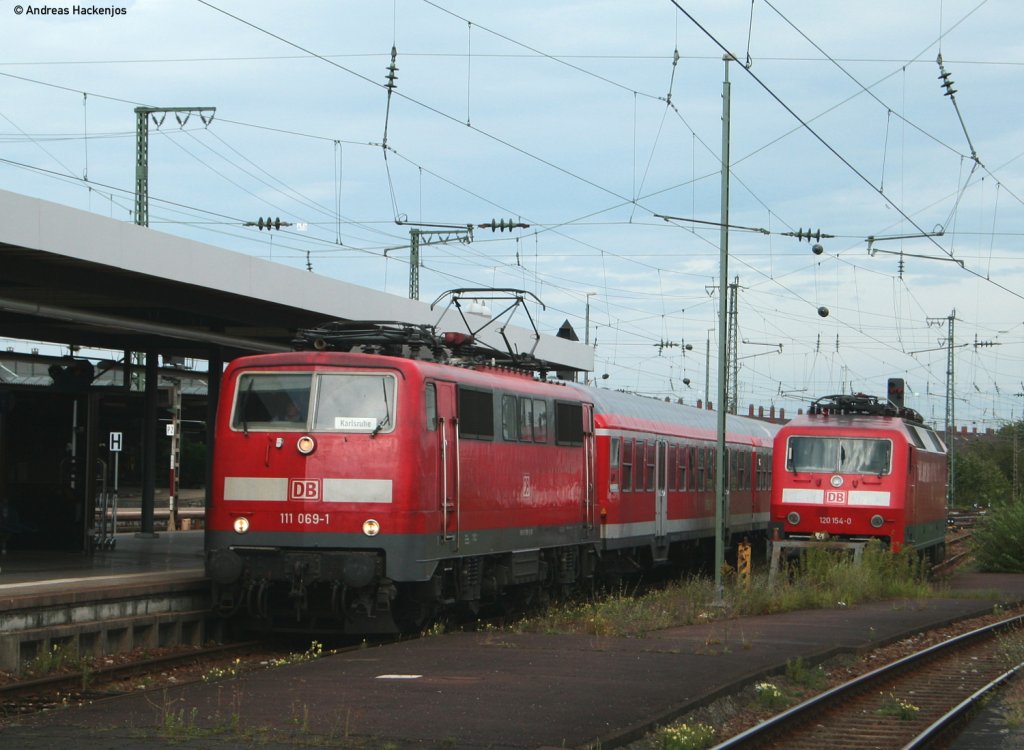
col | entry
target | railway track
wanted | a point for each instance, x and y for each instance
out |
(29, 696)
(910, 703)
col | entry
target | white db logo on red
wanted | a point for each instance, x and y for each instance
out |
(304, 489)
(833, 497)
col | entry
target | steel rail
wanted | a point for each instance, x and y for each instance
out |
(117, 671)
(767, 730)
(958, 712)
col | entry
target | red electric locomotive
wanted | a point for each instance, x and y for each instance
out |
(855, 468)
(359, 492)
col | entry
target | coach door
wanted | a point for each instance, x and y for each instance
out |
(589, 510)
(660, 488)
(448, 460)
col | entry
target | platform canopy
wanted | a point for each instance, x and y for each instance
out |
(72, 277)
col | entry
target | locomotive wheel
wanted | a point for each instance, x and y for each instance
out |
(412, 615)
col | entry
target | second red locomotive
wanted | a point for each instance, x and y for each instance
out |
(360, 492)
(856, 468)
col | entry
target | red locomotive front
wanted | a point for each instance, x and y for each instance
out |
(856, 470)
(355, 492)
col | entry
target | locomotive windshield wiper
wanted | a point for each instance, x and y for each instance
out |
(244, 405)
(387, 412)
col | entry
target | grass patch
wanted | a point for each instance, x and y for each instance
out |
(819, 579)
(695, 736)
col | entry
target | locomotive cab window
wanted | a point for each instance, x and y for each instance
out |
(337, 402)
(271, 401)
(839, 455)
(355, 402)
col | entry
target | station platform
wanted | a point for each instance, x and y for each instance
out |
(133, 555)
(146, 591)
(502, 691)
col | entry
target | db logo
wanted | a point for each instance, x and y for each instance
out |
(833, 497)
(304, 489)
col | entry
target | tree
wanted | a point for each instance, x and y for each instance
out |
(979, 481)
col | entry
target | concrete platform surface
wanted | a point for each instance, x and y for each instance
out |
(175, 554)
(494, 690)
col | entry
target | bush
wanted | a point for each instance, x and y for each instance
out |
(998, 540)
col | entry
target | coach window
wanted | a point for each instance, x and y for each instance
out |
(627, 465)
(700, 469)
(651, 448)
(430, 401)
(684, 459)
(638, 465)
(710, 474)
(509, 428)
(673, 461)
(476, 414)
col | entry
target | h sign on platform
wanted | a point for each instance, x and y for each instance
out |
(115, 442)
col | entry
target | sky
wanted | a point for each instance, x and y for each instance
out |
(892, 129)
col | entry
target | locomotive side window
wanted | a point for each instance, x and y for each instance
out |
(915, 435)
(271, 401)
(936, 441)
(430, 401)
(540, 421)
(839, 455)
(476, 414)
(509, 418)
(568, 424)
(526, 419)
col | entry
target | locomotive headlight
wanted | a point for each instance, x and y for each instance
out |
(877, 521)
(371, 527)
(836, 481)
(241, 524)
(306, 445)
(793, 518)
